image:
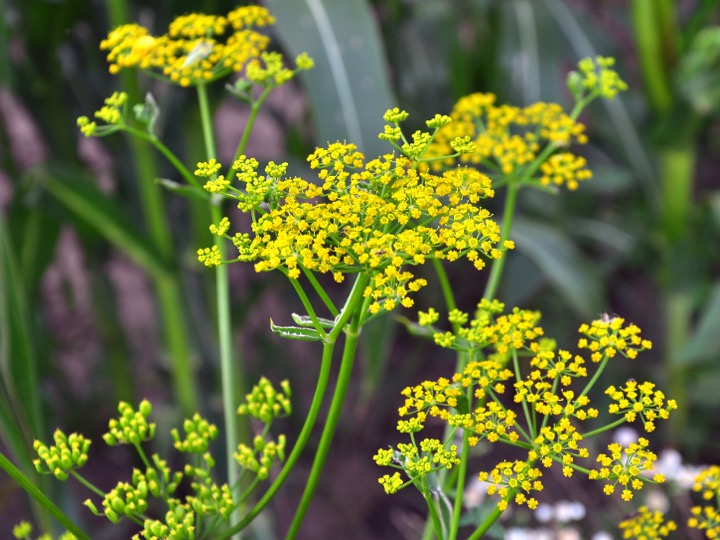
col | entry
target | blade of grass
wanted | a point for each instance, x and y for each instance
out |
(348, 86)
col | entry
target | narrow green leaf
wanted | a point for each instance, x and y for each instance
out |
(561, 263)
(20, 418)
(100, 212)
(705, 342)
(25, 483)
(348, 87)
(295, 332)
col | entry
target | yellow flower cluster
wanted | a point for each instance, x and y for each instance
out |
(564, 168)
(197, 48)
(646, 525)
(597, 77)
(707, 518)
(377, 217)
(503, 333)
(508, 139)
(112, 113)
(609, 336)
(558, 442)
(640, 399)
(416, 462)
(624, 467)
(512, 480)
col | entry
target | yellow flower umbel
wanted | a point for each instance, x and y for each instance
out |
(520, 142)
(381, 217)
(531, 406)
(646, 525)
(623, 467)
(197, 48)
(707, 517)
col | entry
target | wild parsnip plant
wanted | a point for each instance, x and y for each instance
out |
(372, 222)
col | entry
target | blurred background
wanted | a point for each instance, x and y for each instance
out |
(102, 299)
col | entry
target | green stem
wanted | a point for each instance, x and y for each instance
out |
(170, 297)
(489, 522)
(25, 483)
(460, 486)
(434, 517)
(228, 371)
(299, 446)
(355, 308)
(311, 418)
(499, 264)
(167, 153)
(446, 288)
(255, 108)
(603, 429)
(649, 40)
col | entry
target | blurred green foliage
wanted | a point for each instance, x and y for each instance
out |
(641, 239)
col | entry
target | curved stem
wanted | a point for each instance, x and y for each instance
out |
(299, 446)
(434, 516)
(248, 128)
(460, 486)
(499, 264)
(346, 365)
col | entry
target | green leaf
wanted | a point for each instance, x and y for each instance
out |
(348, 87)
(562, 264)
(705, 342)
(295, 332)
(102, 214)
(416, 330)
(305, 320)
(20, 407)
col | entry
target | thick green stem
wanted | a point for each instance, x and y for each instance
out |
(170, 298)
(338, 400)
(489, 522)
(499, 264)
(228, 371)
(650, 21)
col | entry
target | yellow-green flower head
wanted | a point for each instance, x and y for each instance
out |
(381, 217)
(646, 525)
(507, 139)
(609, 336)
(640, 400)
(707, 517)
(197, 48)
(67, 454)
(597, 77)
(132, 426)
(513, 481)
(622, 468)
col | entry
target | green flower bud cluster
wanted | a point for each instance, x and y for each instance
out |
(260, 458)
(132, 426)
(67, 454)
(209, 499)
(266, 403)
(179, 525)
(23, 531)
(595, 78)
(198, 435)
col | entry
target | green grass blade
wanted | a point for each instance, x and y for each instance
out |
(349, 89)
(25, 483)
